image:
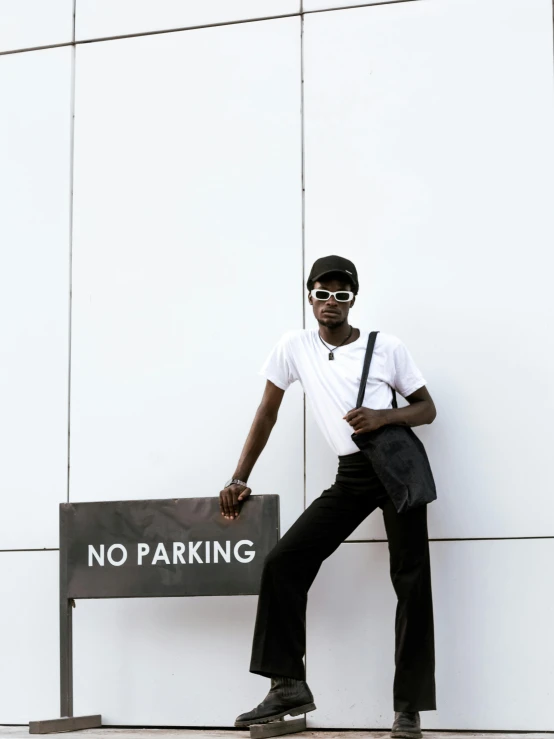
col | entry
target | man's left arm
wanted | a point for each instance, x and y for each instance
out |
(420, 410)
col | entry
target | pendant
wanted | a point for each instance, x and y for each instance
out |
(331, 355)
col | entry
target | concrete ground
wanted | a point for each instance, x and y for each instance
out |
(22, 732)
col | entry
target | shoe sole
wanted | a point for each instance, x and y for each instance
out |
(406, 734)
(276, 716)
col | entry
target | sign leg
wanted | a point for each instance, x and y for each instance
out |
(67, 721)
(66, 656)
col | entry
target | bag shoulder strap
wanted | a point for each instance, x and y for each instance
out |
(365, 372)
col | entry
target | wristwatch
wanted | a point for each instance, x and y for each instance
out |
(234, 481)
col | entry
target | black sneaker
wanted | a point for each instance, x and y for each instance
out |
(406, 725)
(286, 696)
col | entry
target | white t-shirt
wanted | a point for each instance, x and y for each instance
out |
(331, 387)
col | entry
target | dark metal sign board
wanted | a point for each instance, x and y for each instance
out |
(155, 548)
(168, 547)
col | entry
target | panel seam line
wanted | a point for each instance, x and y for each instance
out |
(180, 29)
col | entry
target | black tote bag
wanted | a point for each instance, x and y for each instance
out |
(396, 454)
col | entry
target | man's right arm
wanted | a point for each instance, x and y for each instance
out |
(230, 498)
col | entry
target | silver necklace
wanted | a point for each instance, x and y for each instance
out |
(331, 355)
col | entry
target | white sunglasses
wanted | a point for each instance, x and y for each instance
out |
(341, 296)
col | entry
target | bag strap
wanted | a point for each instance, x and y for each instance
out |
(365, 372)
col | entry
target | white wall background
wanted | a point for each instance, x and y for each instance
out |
(169, 209)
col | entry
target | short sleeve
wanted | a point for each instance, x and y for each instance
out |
(279, 366)
(406, 375)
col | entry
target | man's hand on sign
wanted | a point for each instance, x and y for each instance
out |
(365, 419)
(230, 499)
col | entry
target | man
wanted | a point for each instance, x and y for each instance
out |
(328, 363)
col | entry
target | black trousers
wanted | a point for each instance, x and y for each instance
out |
(279, 641)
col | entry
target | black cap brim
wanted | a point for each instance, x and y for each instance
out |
(351, 279)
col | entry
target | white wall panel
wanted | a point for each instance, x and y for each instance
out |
(350, 639)
(494, 606)
(430, 163)
(102, 18)
(187, 251)
(26, 24)
(166, 661)
(29, 637)
(34, 294)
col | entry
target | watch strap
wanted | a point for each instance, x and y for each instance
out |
(235, 481)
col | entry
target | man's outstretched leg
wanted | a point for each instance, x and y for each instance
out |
(290, 568)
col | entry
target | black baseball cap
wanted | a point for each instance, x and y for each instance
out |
(323, 265)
